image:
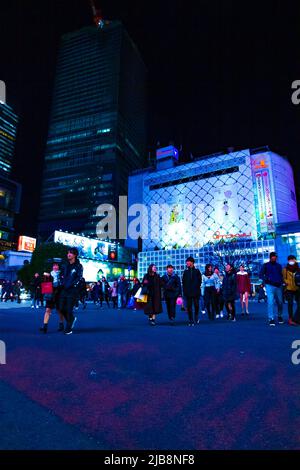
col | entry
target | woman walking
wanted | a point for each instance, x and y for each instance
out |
(152, 284)
(244, 288)
(210, 287)
(50, 287)
(229, 291)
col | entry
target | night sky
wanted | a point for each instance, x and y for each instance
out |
(220, 75)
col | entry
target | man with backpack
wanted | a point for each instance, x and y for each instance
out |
(291, 279)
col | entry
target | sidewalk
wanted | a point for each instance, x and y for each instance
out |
(11, 305)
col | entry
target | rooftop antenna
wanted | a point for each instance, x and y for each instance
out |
(97, 15)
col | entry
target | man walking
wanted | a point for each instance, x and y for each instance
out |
(71, 276)
(191, 282)
(172, 290)
(271, 274)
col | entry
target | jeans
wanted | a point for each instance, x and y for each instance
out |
(122, 299)
(274, 294)
(210, 301)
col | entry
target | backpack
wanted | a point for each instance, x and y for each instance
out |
(297, 278)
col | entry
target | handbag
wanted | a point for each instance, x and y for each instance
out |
(47, 287)
(179, 301)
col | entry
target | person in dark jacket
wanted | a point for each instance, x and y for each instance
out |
(123, 287)
(229, 290)
(104, 291)
(172, 290)
(271, 275)
(71, 277)
(191, 283)
(35, 288)
(152, 283)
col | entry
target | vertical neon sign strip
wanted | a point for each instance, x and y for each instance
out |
(261, 203)
(268, 201)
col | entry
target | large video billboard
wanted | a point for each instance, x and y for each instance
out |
(87, 247)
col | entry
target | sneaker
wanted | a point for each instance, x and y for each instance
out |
(191, 324)
(74, 321)
(292, 322)
(152, 322)
(217, 316)
(32, 306)
(37, 306)
(233, 319)
(203, 312)
(68, 331)
(280, 320)
(272, 322)
(198, 321)
(221, 314)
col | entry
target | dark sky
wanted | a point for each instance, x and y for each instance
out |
(220, 75)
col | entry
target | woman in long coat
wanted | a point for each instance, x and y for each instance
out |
(152, 283)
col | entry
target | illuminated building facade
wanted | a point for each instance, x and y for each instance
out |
(8, 131)
(97, 132)
(223, 206)
(10, 191)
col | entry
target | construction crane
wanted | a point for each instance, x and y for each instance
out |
(97, 15)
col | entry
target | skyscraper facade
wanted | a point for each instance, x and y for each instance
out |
(97, 132)
(10, 191)
(8, 131)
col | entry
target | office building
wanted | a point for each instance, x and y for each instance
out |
(97, 132)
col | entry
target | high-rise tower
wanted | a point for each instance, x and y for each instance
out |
(97, 132)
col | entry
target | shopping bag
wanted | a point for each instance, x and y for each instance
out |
(130, 303)
(143, 298)
(138, 293)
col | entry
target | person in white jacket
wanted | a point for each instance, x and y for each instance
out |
(210, 288)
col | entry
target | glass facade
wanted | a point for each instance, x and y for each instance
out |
(97, 132)
(250, 253)
(8, 131)
(10, 194)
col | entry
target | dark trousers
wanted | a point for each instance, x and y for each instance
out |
(290, 297)
(66, 305)
(190, 301)
(219, 302)
(104, 297)
(115, 301)
(171, 307)
(210, 301)
(230, 307)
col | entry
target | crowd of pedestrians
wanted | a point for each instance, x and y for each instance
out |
(211, 292)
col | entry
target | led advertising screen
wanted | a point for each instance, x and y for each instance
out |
(94, 270)
(26, 243)
(87, 247)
